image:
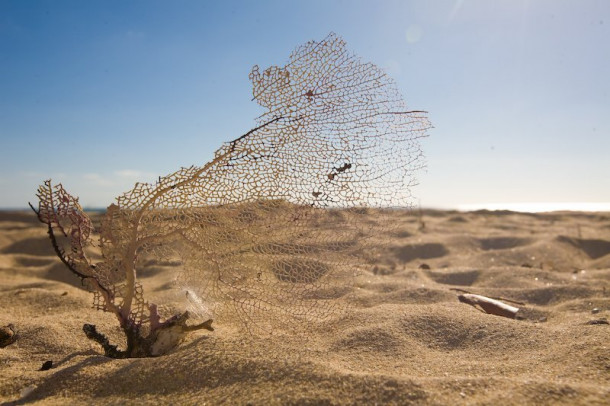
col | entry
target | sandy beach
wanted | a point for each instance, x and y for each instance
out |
(405, 338)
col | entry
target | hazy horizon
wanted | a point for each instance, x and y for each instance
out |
(100, 95)
(522, 207)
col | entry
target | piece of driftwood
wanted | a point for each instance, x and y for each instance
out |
(597, 321)
(489, 305)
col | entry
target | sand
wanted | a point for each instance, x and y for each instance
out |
(406, 339)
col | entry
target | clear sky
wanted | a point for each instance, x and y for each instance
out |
(101, 94)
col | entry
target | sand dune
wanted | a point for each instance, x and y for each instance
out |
(405, 339)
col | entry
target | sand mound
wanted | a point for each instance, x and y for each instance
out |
(405, 339)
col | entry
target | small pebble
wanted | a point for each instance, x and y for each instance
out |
(27, 390)
(596, 310)
(46, 366)
(424, 266)
(7, 335)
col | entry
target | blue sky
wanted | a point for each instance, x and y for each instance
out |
(101, 94)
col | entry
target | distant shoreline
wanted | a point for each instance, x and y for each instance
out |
(465, 208)
(538, 207)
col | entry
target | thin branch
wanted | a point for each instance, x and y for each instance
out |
(234, 142)
(61, 254)
(205, 325)
(57, 249)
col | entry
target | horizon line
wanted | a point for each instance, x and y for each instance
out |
(538, 207)
(519, 207)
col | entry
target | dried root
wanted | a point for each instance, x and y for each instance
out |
(159, 342)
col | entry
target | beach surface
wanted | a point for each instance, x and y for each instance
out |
(405, 338)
